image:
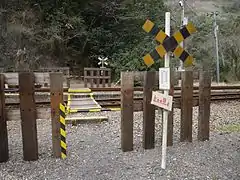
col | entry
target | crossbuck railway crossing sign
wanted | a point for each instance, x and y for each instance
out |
(168, 43)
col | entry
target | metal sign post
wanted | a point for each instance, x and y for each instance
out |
(167, 43)
(102, 62)
(166, 92)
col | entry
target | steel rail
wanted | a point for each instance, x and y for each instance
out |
(107, 89)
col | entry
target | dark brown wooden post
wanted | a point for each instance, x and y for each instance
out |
(4, 152)
(127, 111)
(103, 78)
(109, 77)
(56, 89)
(85, 78)
(204, 104)
(28, 116)
(148, 111)
(186, 106)
(98, 78)
(91, 77)
(170, 114)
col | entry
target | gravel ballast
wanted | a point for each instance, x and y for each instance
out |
(94, 151)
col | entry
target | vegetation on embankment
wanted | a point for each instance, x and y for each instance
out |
(74, 33)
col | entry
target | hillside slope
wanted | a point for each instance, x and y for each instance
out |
(205, 6)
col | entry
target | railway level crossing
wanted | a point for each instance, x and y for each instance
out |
(168, 43)
(81, 100)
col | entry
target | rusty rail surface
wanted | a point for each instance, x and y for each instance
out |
(114, 89)
(12, 109)
(44, 99)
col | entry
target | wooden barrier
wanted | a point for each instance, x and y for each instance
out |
(29, 112)
(97, 76)
(4, 154)
(127, 111)
(204, 104)
(56, 88)
(148, 111)
(28, 116)
(41, 73)
(186, 105)
(64, 70)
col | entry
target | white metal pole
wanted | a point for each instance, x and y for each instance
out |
(166, 92)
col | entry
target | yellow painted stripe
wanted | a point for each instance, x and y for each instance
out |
(148, 25)
(148, 60)
(79, 90)
(94, 110)
(62, 120)
(115, 109)
(178, 51)
(69, 102)
(91, 95)
(161, 50)
(191, 28)
(69, 97)
(161, 36)
(188, 61)
(62, 107)
(178, 36)
(62, 132)
(73, 111)
(63, 156)
(63, 145)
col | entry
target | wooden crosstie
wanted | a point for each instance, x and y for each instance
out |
(168, 43)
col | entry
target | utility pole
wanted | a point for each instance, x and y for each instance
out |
(216, 42)
(215, 29)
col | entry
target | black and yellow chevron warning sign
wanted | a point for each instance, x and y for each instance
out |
(168, 43)
(63, 131)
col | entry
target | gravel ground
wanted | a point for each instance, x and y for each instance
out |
(94, 151)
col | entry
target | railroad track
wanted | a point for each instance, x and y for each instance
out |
(116, 102)
(114, 89)
(218, 93)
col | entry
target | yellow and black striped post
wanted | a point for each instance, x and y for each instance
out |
(63, 143)
(168, 43)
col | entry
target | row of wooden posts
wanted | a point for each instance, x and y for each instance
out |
(28, 112)
(186, 105)
(27, 81)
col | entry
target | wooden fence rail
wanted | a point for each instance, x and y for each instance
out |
(28, 112)
(150, 81)
(97, 76)
(12, 77)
